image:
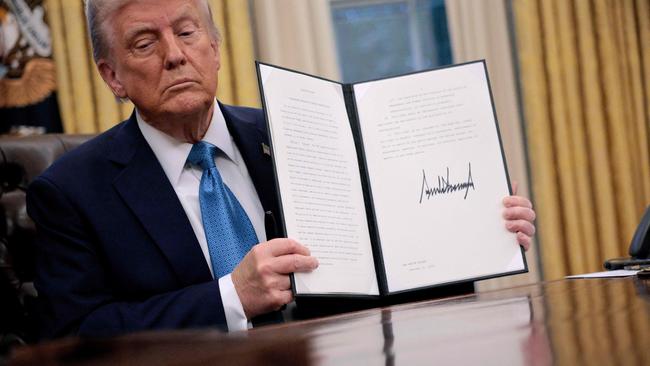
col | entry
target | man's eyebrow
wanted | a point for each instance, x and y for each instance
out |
(138, 29)
(181, 16)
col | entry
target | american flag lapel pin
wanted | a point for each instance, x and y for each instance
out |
(266, 149)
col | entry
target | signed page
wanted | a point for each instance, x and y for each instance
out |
(437, 177)
(319, 180)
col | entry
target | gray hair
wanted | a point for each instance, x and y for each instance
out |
(97, 11)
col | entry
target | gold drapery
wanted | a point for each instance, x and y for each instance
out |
(86, 103)
(585, 78)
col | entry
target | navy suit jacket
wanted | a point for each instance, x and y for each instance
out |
(115, 250)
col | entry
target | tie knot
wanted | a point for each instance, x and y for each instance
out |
(202, 154)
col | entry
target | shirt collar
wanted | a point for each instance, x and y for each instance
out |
(172, 153)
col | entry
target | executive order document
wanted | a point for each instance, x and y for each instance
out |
(434, 171)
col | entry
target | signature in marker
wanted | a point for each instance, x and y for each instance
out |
(446, 186)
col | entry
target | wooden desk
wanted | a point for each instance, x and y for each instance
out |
(567, 322)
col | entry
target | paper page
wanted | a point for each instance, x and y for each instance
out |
(437, 177)
(319, 181)
(606, 274)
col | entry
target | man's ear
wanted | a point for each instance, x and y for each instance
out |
(215, 47)
(110, 78)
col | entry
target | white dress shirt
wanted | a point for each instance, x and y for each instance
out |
(172, 155)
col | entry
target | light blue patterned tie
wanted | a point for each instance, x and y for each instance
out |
(228, 230)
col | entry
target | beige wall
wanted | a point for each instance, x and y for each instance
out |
(297, 34)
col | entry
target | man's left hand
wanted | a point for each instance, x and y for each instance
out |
(519, 215)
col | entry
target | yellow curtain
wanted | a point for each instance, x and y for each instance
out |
(86, 103)
(237, 78)
(585, 77)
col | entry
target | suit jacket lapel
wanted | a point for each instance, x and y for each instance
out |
(144, 187)
(249, 139)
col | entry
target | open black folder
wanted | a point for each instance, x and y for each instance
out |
(394, 184)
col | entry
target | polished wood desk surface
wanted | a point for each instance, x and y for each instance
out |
(566, 322)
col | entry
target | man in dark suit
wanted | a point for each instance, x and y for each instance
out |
(127, 223)
(121, 245)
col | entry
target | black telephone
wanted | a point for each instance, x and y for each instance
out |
(639, 247)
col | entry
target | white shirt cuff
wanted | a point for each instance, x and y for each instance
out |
(232, 307)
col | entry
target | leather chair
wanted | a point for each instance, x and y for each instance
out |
(21, 160)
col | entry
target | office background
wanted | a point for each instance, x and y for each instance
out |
(571, 82)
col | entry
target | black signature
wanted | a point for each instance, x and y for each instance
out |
(445, 186)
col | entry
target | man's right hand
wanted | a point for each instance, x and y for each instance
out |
(262, 278)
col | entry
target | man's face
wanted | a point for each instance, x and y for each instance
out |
(162, 57)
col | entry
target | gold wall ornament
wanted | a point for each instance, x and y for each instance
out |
(27, 73)
(37, 81)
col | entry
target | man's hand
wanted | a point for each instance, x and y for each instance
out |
(519, 215)
(262, 278)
